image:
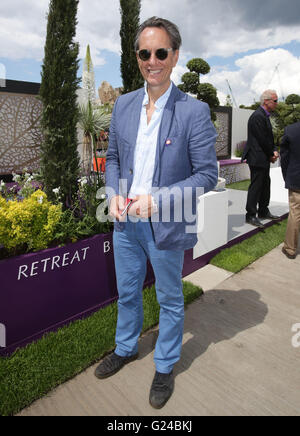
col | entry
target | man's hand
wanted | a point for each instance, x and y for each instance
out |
(117, 205)
(142, 206)
(275, 156)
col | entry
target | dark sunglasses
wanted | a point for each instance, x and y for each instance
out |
(275, 101)
(161, 54)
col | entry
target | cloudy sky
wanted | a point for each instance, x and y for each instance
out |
(250, 45)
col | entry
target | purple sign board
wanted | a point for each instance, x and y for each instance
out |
(40, 292)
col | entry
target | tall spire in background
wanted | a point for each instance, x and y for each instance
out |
(88, 78)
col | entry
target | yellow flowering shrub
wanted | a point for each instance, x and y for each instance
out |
(30, 222)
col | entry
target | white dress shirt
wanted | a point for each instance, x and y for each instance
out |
(146, 144)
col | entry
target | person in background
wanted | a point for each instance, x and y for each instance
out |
(161, 140)
(290, 165)
(259, 152)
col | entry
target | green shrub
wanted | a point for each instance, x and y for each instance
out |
(31, 222)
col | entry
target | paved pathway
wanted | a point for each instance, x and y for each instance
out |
(237, 357)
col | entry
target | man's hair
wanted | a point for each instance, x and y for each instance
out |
(170, 28)
(267, 95)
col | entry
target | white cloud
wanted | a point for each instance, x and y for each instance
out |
(208, 27)
(275, 68)
(20, 43)
(98, 25)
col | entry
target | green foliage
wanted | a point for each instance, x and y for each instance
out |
(285, 115)
(208, 93)
(293, 99)
(93, 120)
(198, 66)
(80, 221)
(29, 224)
(228, 101)
(130, 12)
(33, 223)
(253, 106)
(59, 155)
(26, 185)
(191, 84)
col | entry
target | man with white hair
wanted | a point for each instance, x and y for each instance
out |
(259, 152)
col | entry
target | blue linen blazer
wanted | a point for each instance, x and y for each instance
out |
(185, 160)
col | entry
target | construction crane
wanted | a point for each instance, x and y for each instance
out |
(230, 90)
(276, 70)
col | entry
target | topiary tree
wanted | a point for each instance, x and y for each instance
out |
(293, 99)
(204, 91)
(130, 18)
(228, 102)
(58, 92)
(199, 66)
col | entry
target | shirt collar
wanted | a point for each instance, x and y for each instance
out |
(267, 113)
(161, 102)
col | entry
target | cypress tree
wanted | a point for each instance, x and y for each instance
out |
(130, 13)
(59, 155)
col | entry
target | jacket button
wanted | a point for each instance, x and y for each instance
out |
(131, 171)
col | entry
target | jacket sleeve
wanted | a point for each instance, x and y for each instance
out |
(284, 154)
(259, 129)
(112, 171)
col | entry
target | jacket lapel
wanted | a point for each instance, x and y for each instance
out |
(135, 114)
(165, 125)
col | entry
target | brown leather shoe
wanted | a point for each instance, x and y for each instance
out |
(289, 256)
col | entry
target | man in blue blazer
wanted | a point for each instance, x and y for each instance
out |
(290, 165)
(161, 156)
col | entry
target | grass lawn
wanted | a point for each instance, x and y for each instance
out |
(32, 372)
(239, 256)
(241, 186)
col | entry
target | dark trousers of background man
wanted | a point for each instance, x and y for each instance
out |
(259, 192)
(293, 225)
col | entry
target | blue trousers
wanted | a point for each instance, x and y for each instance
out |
(132, 247)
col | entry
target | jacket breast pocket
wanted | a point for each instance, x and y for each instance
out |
(175, 155)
